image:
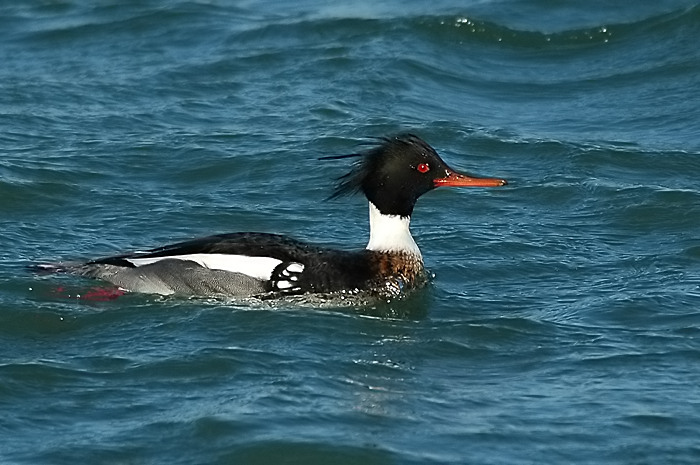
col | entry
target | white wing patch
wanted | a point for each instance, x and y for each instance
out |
(255, 267)
(287, 279)
(293, 268)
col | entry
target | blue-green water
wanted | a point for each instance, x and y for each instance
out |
(563, 322)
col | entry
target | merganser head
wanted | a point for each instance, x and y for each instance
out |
(399, 170)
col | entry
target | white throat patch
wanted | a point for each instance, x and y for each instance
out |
(390, 233)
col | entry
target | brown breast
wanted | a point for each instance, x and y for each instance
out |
(397, 272)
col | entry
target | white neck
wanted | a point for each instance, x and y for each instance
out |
(390, 233)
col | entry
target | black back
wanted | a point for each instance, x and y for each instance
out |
(325, 269)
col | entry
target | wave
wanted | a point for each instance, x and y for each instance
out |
(185, 20)
(465, 27)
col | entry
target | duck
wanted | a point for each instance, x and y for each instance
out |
(392, 175)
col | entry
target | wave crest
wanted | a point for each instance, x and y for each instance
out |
(467, 28)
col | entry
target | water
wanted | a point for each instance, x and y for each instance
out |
(563, 322)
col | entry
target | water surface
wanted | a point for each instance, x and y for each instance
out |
(562, 324)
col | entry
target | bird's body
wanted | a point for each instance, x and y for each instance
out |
(392, 176)
(255, 264)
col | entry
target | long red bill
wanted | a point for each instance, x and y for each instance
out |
(457, 179)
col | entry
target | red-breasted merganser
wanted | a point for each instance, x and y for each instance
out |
(391, 175)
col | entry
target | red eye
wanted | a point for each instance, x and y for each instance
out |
(423, 168)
